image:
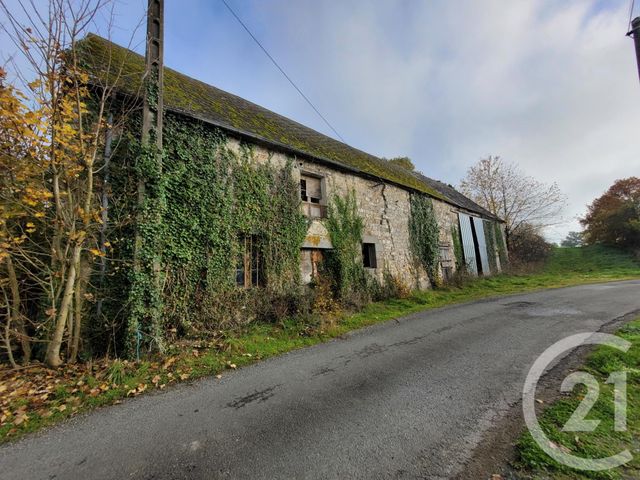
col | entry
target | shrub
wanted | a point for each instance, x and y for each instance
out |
(528, 246)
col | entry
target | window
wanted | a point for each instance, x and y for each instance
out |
(311, 196)
(369, 255)
(249, 264)
(445, 253)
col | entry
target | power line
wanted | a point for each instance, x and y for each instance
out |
(281, 70)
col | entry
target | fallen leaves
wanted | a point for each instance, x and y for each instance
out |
(20, 418)
(134, 392)
(169, 362)
(37, 394)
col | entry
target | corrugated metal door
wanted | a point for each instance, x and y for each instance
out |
(468, 247)
(482, 245)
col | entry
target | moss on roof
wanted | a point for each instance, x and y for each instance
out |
(455, 197)
(109, 62)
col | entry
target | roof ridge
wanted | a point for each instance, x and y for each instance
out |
(195, 98)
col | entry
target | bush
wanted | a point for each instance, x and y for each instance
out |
(391, 287)
(528, 246)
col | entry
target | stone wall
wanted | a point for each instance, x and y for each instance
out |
(385, 210)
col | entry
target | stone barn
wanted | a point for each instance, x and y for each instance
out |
(321, 168)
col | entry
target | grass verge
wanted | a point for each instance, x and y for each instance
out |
(604, 441)
(37, 397)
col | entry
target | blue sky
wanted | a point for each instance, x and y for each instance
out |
(551, 86)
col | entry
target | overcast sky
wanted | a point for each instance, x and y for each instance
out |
(549, 85)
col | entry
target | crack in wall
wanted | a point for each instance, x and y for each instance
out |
(384, 217)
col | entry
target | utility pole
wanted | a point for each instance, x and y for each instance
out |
(635, 34)
(146, 305)
(153, 93)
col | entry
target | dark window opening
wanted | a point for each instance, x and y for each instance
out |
(303, 190)
(249, 263)
(369, 255)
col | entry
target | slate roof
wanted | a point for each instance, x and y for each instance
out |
(455, 197)
(185, 95)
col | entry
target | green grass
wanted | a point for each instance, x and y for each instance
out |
(566, 266)
(604, 441)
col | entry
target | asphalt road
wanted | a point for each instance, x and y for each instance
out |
(403, 399)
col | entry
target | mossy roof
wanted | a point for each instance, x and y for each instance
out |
(455, 197)
(108, 61)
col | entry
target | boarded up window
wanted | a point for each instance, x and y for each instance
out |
(311, 196)
(249, 263)
(369, 255)
(310, 189)
(445, 253)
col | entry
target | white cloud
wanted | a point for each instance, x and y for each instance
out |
(551, 86)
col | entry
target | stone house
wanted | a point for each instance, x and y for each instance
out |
(324, 167)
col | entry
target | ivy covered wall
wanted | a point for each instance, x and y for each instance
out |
(424, 235)
(211, 209)
(218, 206)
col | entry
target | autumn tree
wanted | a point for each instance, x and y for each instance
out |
(51, 140)
(23, 200)
(520, 200)
(614, 217)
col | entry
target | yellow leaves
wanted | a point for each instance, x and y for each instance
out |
(20, 418)
(19, 240)
(77, 236)
(96, 253)
(170, 361)
(138, 390)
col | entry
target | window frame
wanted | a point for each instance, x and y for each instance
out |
(249, 263)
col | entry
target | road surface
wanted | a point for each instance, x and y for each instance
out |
(403, 399)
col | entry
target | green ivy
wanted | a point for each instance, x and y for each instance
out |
(345, 227)
(424, 235)
(146, 319)
(457, 247)
(197, 209)
(490, 239)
